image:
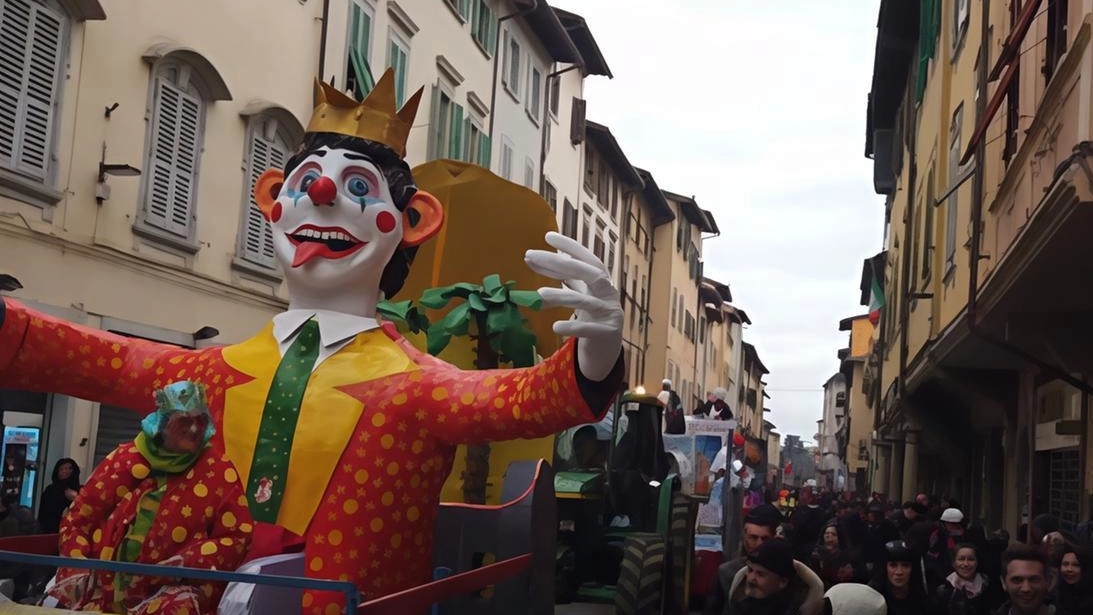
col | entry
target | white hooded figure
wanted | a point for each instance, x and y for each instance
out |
(855, 599)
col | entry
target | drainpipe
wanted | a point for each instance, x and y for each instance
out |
(546, 118)
(322, 39)
(905, 286)
(497, 59)
(648, 294)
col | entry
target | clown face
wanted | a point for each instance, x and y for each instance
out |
(334, 221)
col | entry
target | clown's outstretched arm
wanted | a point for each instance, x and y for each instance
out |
(41, 353)
(574, 385)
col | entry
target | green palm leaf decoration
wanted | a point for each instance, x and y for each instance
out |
(490, 315)
(493, 309)
(405, 315)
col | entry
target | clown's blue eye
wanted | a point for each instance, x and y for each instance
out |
(308, 179)
(357, 186)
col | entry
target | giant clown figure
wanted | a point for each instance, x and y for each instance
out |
(341, 431)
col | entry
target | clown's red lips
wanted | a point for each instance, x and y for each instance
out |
(322, 242)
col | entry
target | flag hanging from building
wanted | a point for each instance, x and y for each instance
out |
(876, 300)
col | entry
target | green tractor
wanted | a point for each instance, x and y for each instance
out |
(625, 528)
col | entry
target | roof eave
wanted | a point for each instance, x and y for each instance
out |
(609, 148)
(544, 22)
(593, 60)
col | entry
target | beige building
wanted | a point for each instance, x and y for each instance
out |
(677, 275)
(715, 342)
(751, 402)
(196, 98)
(979, 123)
(173, 254)
(609, 182)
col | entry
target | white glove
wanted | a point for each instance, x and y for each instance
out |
(587, 289)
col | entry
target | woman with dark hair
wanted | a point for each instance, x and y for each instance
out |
(1075, 580)
(966, 591)
(831, 558)
(901, 580)
(58, 494)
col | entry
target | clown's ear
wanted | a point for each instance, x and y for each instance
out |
(426, 221)
(266, 190)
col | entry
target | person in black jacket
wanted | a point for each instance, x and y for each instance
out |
(901, 580)
(1075, 591)
(966, 591)
(58, 495)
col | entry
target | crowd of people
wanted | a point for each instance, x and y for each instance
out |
(923, 557)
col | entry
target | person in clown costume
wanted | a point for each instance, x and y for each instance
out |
(169, 498)
(342, 432)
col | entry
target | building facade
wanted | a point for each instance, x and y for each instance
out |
(979, 120)
(136, 134)
(677, 275)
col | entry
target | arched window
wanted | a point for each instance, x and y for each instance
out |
(183, 85)
(272, 135)
(31, 61)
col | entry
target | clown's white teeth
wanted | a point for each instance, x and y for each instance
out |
(325, 236)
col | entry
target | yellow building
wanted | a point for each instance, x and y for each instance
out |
(978, 127)
(859, 440)
(645, 211)
(674, 304)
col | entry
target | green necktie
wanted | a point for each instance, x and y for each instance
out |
(269, 467)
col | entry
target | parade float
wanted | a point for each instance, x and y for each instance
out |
(342, 432)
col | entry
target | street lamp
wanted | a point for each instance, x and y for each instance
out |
(102, 190)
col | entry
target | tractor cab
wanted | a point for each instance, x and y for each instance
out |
(625, 529)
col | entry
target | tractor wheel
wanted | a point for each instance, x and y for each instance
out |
(681, 552)
(641, 575)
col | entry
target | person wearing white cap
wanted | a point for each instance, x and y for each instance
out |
(953, 522)
(854, 599)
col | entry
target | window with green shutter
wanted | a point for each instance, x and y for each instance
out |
(484, 26)
(398, 58)
(484, 152)
(455, 141)
(358, 70)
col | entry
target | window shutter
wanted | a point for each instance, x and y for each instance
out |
(175, 135)
(455, 141)
(484, 151)
(30, 59)
(576, 123)
(434, 123)
(491, 41)
(266, 152)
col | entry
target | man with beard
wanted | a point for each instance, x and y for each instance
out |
(773, 584)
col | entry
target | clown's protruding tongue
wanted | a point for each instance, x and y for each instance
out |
(313, 243)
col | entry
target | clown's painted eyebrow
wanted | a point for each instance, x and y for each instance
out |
(352, 156)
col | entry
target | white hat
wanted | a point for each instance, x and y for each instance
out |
(666, 382)
(855, 599)
(810, 482)
(952, 515)
(737, 465)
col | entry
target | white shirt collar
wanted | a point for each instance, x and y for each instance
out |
(334, 327)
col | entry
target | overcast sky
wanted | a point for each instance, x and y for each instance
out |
(758, 110)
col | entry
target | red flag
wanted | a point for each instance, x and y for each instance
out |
(789, 467)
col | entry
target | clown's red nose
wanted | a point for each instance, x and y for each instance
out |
(322, 191)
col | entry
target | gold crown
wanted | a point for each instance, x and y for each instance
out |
(374, 118)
